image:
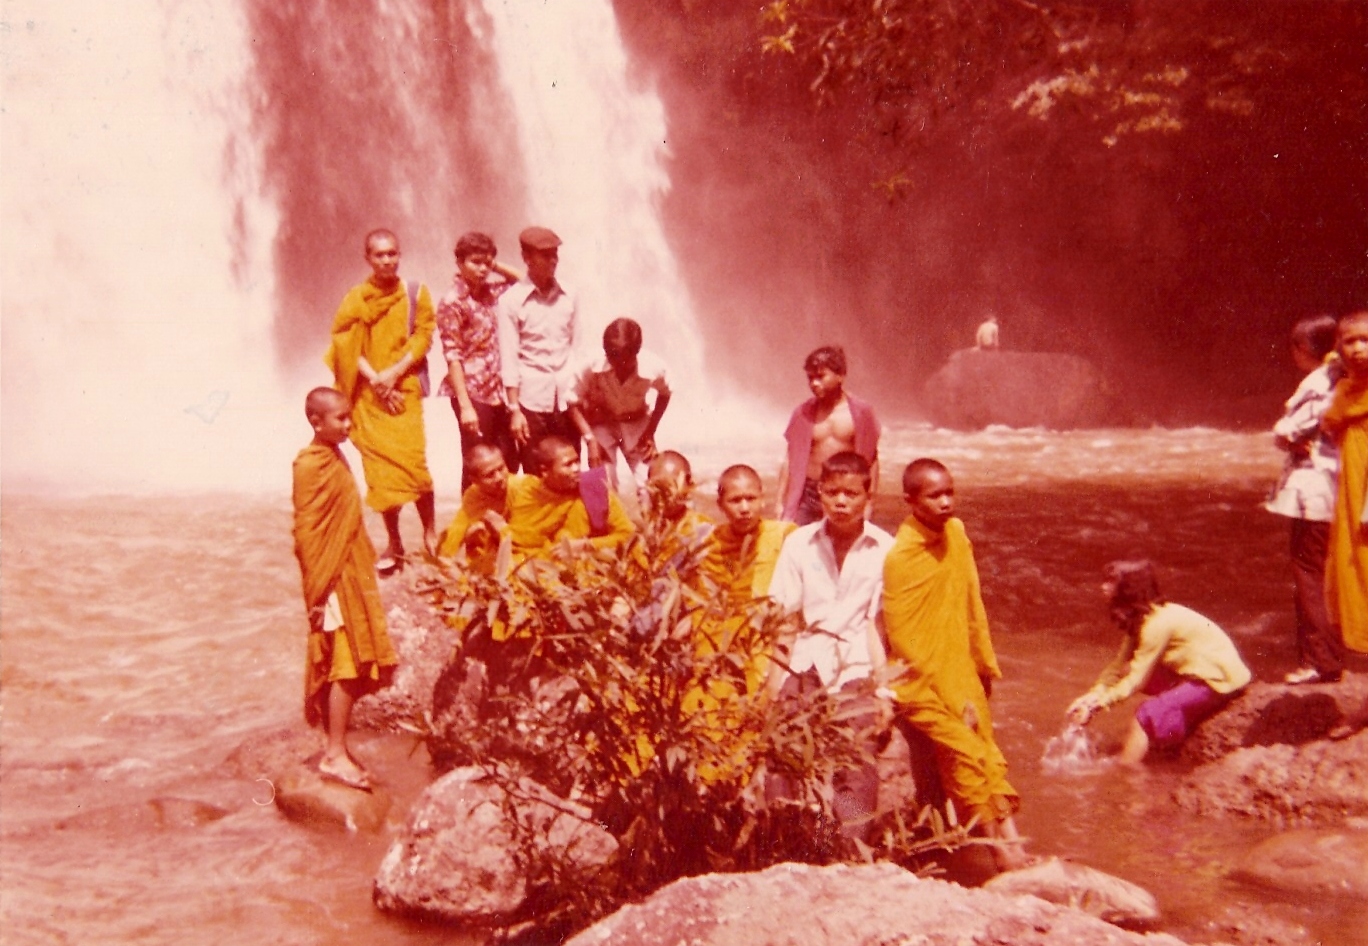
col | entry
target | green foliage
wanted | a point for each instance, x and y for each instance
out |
(629, 686)
(914, 62)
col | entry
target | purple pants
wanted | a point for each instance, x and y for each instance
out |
(1172, 715)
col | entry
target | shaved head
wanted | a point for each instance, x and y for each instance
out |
(918, 471)
(669, 465)
(321, 399)
(548, 448)
(734, 475)
(381, 234)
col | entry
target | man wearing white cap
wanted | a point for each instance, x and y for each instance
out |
(537, 326)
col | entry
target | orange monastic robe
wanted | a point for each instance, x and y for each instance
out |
(475, 504)
(373, 324)
(1346, 565)
(937, 626)
(538, 518)
(336, 558)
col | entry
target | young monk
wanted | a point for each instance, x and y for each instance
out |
(608, 403)
(1187, 664)
(669, 482)
(1346, 421)
(937, 627)
(559, 503)
(830, 422)
(742, 552)
(482, 518)
(380, 340)
(349, 651)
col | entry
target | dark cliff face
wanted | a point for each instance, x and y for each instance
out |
(1176, 260)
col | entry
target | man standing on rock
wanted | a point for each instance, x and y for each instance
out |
(380, 340)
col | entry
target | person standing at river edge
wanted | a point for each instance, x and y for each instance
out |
(378, 355)
(938, 628)
(538, 322)
(349, 650)
(830, 422)
(1306, 495)
(1346, 420)
(468, 326)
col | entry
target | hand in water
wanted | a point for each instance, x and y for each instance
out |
(1082, 710)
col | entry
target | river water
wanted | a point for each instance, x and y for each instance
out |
(144, 637)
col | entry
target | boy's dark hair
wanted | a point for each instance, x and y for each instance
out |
(1136, 593)
(847, 461)
(544, 451)
(475, 242)
(735, 472)
(831, 357)
(913, 472)
(1315, 334)
(623, 334)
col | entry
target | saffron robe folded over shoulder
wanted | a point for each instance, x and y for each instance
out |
(336, 557)
(938, 628)
(1346, 566)
(372, 323)
(539, 517)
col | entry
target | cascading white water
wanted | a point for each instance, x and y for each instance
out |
(137, 295)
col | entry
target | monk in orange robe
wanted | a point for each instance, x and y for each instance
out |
(1346, 420)
(481, 523)
(937, 627)
(349, 650)
(544, 509)
(378, 355)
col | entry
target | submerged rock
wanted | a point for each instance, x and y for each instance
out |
(1267, 714)
(455, 861)
(1019, 389)
(306, 798)
(1084, 888)
(156, 814)
(1311, 862)
(1319, 782)
(870, 905)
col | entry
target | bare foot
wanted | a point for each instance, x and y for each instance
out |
(430, 543)
(344, 770)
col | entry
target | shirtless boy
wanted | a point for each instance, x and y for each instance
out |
(830, 422)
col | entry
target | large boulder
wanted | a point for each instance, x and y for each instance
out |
(1319, 782)
(455, 861)
(868, 905)
(1310, 862)
(1267, 714)
(424, 643)
(1017, 389)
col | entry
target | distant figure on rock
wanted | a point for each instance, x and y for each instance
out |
(349, 650)
(380, 340)
(986, 338)
(1306, 495)
(1184, 661)
(1346, 420)
(938, 628)
(830, 422)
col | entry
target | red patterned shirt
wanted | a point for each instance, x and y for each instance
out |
(468, 326)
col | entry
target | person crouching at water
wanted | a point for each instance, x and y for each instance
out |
(349, 650)
(1183, 660)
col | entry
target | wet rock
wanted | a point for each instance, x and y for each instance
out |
(303, 796)
(271, 753)
(1084, 888)
(424, 643)
(454, 860)
(1320, 782)
(1327, 862)
(157, 814)
(1019, 389)
(870, 905)
(1267, 714)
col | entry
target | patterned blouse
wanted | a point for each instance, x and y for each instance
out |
(469, 329)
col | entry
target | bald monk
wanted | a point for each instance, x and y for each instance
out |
(743, 550)
(937, 626)
(378, 355)
(544, 509)
(670, 484)
(349, 651)
(482, 519)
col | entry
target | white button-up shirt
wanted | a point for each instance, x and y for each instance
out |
(536, 338)
(843, 603)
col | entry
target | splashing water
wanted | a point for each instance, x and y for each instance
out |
(1071, 753)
